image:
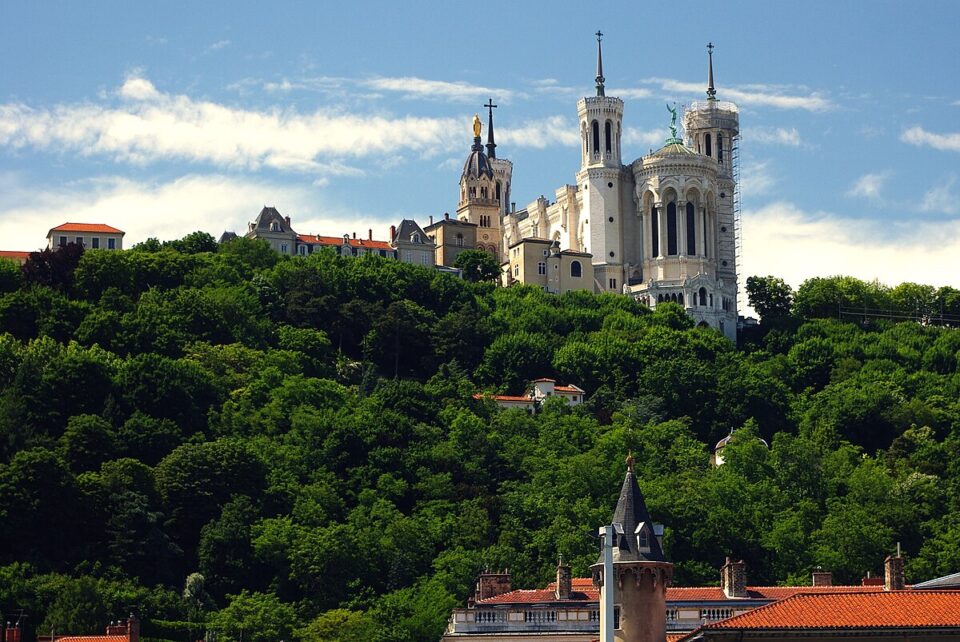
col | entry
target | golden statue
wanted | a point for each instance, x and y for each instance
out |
(476, 126)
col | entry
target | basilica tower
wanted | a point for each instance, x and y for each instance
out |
(601, 182)
(641, 572)
(481, 193)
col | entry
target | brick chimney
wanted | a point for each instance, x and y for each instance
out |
(287, 220)
(733, 579)
(12, 633)
(133, 628)
(564, 581)
(893, 578)
(822, 577)
(446, 216)
(393, 232)
(493, 584)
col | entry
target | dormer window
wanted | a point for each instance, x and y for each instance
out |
(414, 238)
(274, 226)
(643, 537)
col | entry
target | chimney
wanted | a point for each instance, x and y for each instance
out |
(287, 220)
(493, 584)
(133, 628)
(446, 216)
(369, 235)
(733, 579)
(393, 232)
(871, 581)
(822, 577)
(12, 634)
(564, 581)
(893, 579)
(431, 219)
(354, 236)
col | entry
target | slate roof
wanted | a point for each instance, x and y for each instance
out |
(947, 581)
(631, 512)
(100, 228)
(268, 215)
(406, 231)
(879, 610)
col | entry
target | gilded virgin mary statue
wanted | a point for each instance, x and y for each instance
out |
(476, 126)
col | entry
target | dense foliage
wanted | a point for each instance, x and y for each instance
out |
(290, 448)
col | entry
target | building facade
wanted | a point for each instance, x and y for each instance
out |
(542, 263)
(92, 236)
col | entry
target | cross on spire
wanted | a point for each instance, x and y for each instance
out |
(711, 90)
(600, 79)
(491, 145)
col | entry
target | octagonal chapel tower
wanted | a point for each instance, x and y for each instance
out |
(481, 192)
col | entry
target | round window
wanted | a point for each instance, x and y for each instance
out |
(609, 184)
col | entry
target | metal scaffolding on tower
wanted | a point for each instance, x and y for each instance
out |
(737, 224)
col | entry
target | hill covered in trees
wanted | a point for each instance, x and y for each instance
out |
(289, 448)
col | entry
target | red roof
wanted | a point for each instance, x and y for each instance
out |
(14, 254)
(544, 379)
(880, 609)
(91, 638)
(337, 241)
(510, 398)
(573, 389)
(87, 227)
(583, 591)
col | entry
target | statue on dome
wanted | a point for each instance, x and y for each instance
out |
(673, 121)
(477, 126)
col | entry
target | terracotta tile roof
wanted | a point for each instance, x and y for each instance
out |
(87, 227)
(511, 398)
(573, 389)
(673, 637)
(544, 379)
(14, 254)
(583, 591)
(337, 241)
(91, 638)
(880, 609)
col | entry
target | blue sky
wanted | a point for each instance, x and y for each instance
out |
(164, 118)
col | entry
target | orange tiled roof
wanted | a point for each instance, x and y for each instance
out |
(87, 227)
(14, 254)
(573, 389)
(512, 398)
(314, 239)
(880, 609)
(673, 637)
(92, 638)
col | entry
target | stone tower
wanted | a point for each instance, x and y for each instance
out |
(480, 194)
(601, 182)
(712, 128)
(502, 168)
(641, 572)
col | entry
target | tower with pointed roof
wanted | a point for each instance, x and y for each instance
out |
(481, 191)
(641, 572)
(602, 181)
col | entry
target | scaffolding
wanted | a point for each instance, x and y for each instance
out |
(737, 222)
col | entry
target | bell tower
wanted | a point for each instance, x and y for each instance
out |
(600, 180)
(479, 199)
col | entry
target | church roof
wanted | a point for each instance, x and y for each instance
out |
(674, 148)
(477, 163)
(631, 515)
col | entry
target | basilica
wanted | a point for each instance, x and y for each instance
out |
(662, 227)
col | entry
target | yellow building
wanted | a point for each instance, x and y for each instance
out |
(542, 263)
(451, 237)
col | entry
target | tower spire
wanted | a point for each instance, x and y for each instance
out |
(600, 77)
(491, 145)
(711, 90)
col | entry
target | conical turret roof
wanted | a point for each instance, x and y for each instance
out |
(633, 525)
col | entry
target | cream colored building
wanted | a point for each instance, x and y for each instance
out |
(450, 237)
(542, 263)
(660, 228)
(92, 236)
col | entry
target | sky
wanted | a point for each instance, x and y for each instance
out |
(167, 117)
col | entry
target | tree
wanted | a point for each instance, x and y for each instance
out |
(194, 243)
(254, 617)
(477, 265)
(770, 296)
(11, 276)
(53, 268)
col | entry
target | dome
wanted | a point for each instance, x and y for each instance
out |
(477, 164)
(673, 149)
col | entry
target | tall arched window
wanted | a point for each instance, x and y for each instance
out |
(607, 136)
(671, 228)
(498, 190)
(720, 147)
(709, 147)
(680, 298)
(644, 539)
(596, 137)
(654, 232)
(691, 231)
(576, 270)
(703, 296)
(706, 243)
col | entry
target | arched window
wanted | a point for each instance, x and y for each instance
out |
(415, 238)
(498, 190)
(654, 232)
(671, 228)
(644, 539)
(680, 298)
(576, 270)
(274, 226)
(703, 296)
(720, 147)
(607, 136)
(691, 231)
(703, 215)
(596, 137)
(459, 240)
(709, 147)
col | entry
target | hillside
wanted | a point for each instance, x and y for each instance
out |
(302, 434)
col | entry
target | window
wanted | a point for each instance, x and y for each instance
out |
(576, 270)
(691, 231)
(671, 228)
(703, 215)
(425, 258)
(680, 298)
(720, 147)
(80, 240)
(498, 190)
(274, 226)
(302, 249)
(95, 242)
(111, 244)
(644, 539)
(415, 238)
(283, 248)
(613, 284)
(596, 137)
(63, 241)
(541, 268)
(459, 240)
(607, 136)
(516, 270)
(703, 296)
(483, 192)
(709, 147)
(654, 231)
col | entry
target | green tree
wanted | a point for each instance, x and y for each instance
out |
(477, 265)
(770, 296)
(254, 617)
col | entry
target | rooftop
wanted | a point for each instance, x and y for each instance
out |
(100, 228)
(315, 239)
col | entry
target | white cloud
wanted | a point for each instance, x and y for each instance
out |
(545, 132)
(783, 240)
(756, 95)
(650, 137)
(457, 90)
(869, 185)
(756, 178)
(773, 136)
(631, 93)
(920, 137)
(168, 210)
(218, 45)
(941, 198)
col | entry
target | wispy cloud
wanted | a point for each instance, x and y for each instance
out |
(649, 137)
(538, 134)
(922, 138)
(756, 178)
(941, 198)
(414, 87)
(781, 97)
(168, 210)
(773, 136)
(218, 45)
(869, 185)
(631, 93)
(781, 238)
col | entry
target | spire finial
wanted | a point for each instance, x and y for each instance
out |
(711, 90)
(600, 77)
(630, 461)
(491, 145)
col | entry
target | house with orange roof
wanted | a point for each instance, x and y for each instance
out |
(536, 393)
(92, 236)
